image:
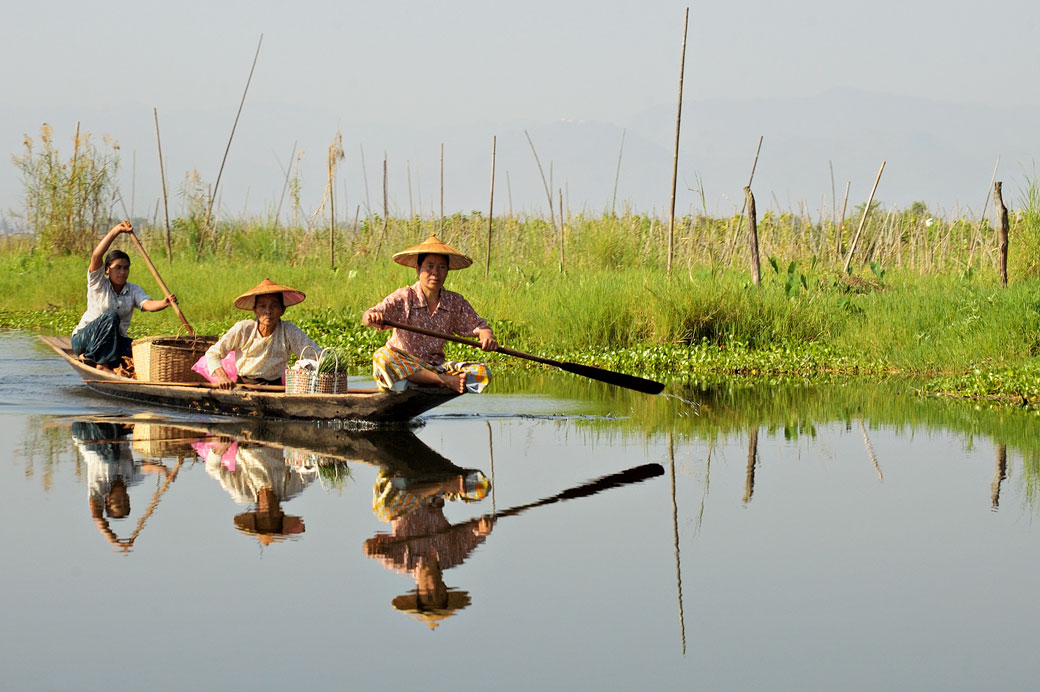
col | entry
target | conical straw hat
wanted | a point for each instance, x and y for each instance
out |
(409, 603)
(290, 296)
(432, 245)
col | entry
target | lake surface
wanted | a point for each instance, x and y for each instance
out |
(550, 534)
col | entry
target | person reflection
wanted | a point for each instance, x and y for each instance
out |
(422, 541)
(259, 476)
(111, 470)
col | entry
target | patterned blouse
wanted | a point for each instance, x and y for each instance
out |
(454, 315)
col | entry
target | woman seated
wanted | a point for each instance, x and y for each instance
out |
(100, 337)
(417, 358)
(262, 345)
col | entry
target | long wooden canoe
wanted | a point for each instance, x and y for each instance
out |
(355, 404)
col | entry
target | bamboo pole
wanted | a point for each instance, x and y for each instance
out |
(976, 238)
(617, 172)
(563, 238)
(675, 155)
(220, 172)
(998, 204)
(541, 172)
(491, 206)
(756, 267)
(285, 185)
(863, 220)
(999, 475)
(732, 244)
(386, 204)
(840, 234)
(442, 188)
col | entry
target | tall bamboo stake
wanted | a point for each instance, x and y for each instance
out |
(386, 207)
(364, 177)
(216, 185)
(285, 186)
(491, 206)
(442, 188)
(998, 204)
(617, 173)
(977, 237)
(162, 178)
(863, 220)
(675, 156)
(841, 222)
(541, 172)
(563, 239)
(756, 267)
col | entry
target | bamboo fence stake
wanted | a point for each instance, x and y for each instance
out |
(675, 156)
(220, 172)
(285, 185)
(364, 177)
(730, 248)
(863, 220)
(617, 173)
(563, 263)
(998, 203)
(491, 206)
(162, 179)
(756, 267)
(386, 205)
(840, 234)
(442, 188)
(541, 172)
(752, 462)
(999, 475)
(675, 541)
(976, 238)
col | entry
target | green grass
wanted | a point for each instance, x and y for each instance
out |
(614, 306)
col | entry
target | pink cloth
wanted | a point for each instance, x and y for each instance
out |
(454, 315)
(227, 363)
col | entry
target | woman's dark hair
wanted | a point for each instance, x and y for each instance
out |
(115, 255)
(421, 257)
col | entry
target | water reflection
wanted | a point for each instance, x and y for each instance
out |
(104, 447)
(256, 475)
(422, 542)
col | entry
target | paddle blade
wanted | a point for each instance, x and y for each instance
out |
(619, 379)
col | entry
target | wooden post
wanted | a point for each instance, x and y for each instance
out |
(998, 203)
(863, 219)
(752, 220)
(491, 206)
(675, 156)
(563, 262)
(752, 462)
(162, 177)
(840, 234)
(617, 173)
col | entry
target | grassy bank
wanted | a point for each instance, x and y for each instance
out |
(607, 299)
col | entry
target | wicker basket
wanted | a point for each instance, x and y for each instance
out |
(299, 381)
(169, 358)
(304, 380)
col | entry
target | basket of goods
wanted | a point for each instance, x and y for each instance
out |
(154, 441)
(169, 358)
(323, 374)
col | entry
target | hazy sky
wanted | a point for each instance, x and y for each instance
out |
(423, 65)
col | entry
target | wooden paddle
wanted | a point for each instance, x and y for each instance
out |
(158, 280)
(619, 379)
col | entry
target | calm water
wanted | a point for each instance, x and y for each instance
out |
(852, 538)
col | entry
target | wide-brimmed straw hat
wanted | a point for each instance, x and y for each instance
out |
(268, 527)
(432, 246)
(409, 603)
(290, 296)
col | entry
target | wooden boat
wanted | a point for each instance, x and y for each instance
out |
(369, 405)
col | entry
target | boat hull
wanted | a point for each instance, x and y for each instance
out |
(369, 405)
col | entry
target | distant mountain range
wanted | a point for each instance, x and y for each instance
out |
(941, 153)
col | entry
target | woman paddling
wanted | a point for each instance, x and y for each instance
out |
(100, 336)
(416, 358)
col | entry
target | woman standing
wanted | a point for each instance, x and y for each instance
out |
(100, 336)
(410, 357)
